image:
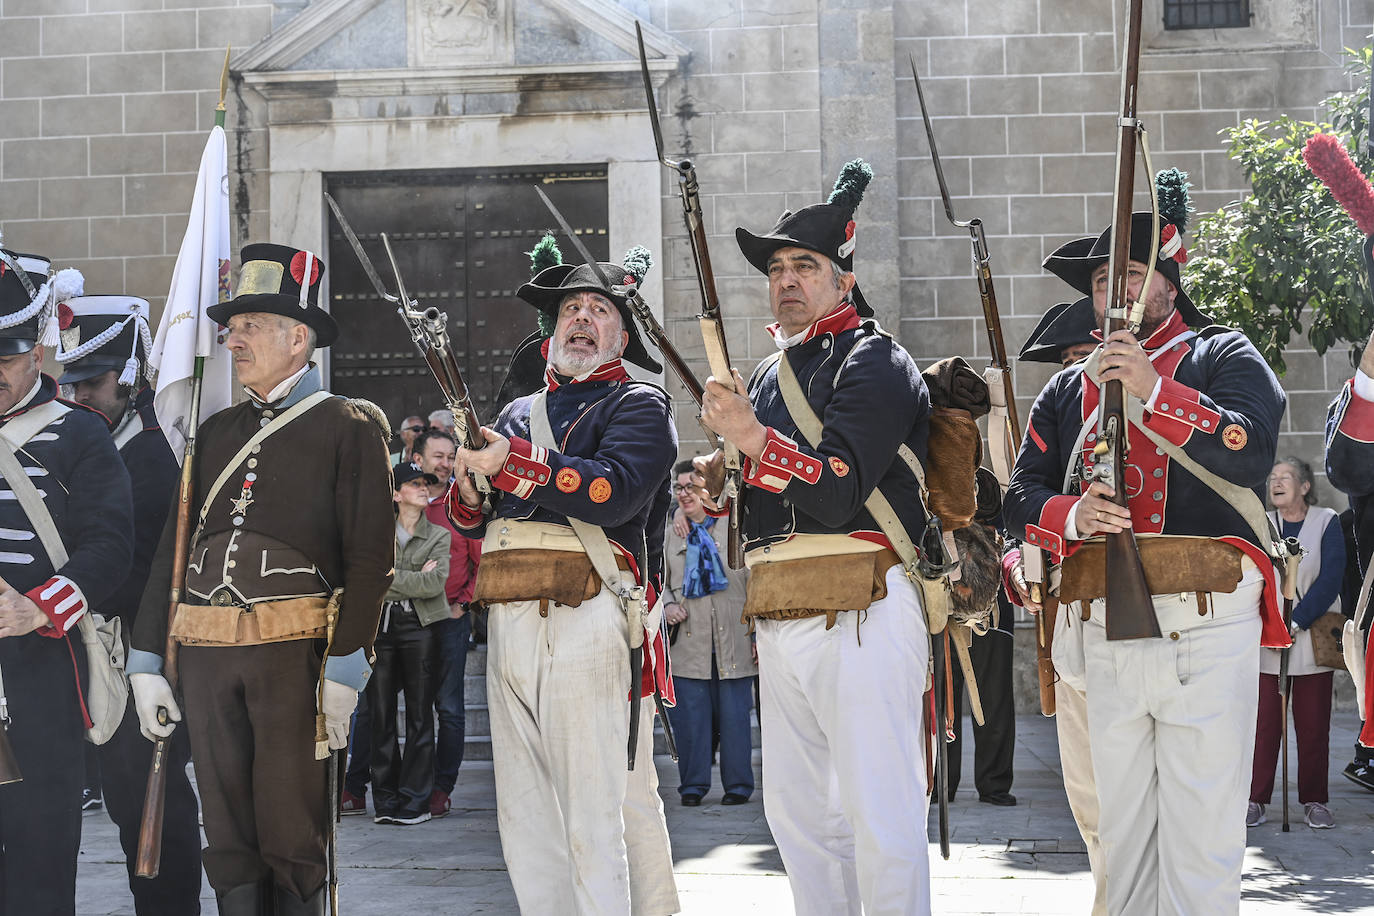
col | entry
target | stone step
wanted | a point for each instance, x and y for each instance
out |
(477, 747)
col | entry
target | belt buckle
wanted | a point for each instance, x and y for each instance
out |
(222, 597)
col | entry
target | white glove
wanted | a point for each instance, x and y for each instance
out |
(337, 706)
(151, 694)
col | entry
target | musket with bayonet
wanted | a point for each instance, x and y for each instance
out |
(428, 329)
(711, 322)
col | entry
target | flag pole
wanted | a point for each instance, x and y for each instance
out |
(148, 859)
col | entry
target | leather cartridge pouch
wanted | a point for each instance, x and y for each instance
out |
(1172, 565)
(563, 576)
(264, 622)
(811, 586)
(951, 466)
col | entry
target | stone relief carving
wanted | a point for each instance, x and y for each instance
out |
(456, 32)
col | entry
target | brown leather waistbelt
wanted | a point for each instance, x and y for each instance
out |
(563, 577)
(1173, 565)
(810, 587)
(263, 622)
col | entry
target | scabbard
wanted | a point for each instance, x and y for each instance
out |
(636, 675)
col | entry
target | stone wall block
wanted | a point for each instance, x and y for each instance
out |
(778, 12)
(75, 197)
(102, 276)
(1058, 17)
(122, 6)
(838, 33)
(1003, 17)
(1006, 95)
(802, 130)
(1035, 292)
(128, 236)
(1089, 172)
(1040, 54)
(1044, 134)
(707, 93)
(242, 27)
(54, 158)
(1100, 132)
(799, 47)
(128, 155)
(1196, 130)
(1219, 172)
(930, 20)
(1007, 175)
(706, 14)
(930, 339)
(1101, 55)
(966, 56)
(746, 50)
(758, 212)
(150, 276)
(916, 176)
(917, 298)
(1307, 372)
(935, 257)
(948, 97)
(21, 200)
(916, 217)
(875, 36)
(958, 297)
(743, 133)
(163, 30)
(1172, 90)
(83, 115)
(193, 70)
(20, 38)
(778, 171)
(43, 7)
(158, 194)
(776, 92)
(59, 239)
(21, 117)
(130, 72)
(160, 111)
(43, 77)
(1078, 95)
(83, 34)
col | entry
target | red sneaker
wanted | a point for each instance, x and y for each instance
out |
(352, 804)
(439, 804)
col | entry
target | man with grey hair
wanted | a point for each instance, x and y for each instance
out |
(291, 556)
(442, 419)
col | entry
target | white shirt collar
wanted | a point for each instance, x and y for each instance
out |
(282, 389)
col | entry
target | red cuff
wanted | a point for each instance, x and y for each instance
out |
(61, 600)
(1358, 420)
(1178, 411)
(1009, 564)
(460, 515)
(781, 461)
(524, 470)
(1048, 533)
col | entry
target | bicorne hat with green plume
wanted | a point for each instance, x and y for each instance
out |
(1171, 185)
(826, 228)
(547, 289)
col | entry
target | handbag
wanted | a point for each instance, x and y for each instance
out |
(107, 686)
(1326, 640)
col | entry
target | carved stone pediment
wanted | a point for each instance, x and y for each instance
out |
(455, 32)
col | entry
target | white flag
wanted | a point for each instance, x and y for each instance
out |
(199, 280)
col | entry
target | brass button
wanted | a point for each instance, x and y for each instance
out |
(1174, 635)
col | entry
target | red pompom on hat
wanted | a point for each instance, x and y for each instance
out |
(298, 269)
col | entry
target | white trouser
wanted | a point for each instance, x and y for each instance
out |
(1171, 722)
(844, 779)
(1076, 760)
(557, 689)
(653, 891)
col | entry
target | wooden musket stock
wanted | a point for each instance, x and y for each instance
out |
(1044, 641)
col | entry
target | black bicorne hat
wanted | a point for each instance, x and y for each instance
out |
(1064, 325)
(20, 305)
(547, 290)
(273, 280)
(106, 333)
(826, 229)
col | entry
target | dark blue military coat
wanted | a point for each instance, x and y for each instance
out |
(870, 398)
(1218, 401)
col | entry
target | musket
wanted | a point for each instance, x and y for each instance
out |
(711, 322)
(148, 856)
(9, 765)
(1292, 555)
(1130, 612)
(428, 331)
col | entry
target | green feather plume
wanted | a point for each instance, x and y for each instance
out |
(849, 187)
(1172, 187)
(638, 261)
(545, 255)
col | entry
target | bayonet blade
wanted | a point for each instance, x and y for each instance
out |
(934, 152)
(357, 246)
(572, 236)
(649, 92)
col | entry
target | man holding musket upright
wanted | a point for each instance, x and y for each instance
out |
(104, 352)
(1171, 719)
(577, 471)
(842, 640)
(62, 452)
(289, 561)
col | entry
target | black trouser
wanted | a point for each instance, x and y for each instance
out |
(251, 714)
(40, 818)
(994, 741)
(124, 763)
(407, 662)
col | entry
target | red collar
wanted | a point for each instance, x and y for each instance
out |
(1162, 334)
(844, 318)
(613, 371)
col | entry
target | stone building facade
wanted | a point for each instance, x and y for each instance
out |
(104, 107)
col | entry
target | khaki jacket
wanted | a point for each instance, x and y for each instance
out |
(424, 589)
(712, 621)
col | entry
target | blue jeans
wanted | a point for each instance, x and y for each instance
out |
(448, 702)
(359, 772)
(704, 708)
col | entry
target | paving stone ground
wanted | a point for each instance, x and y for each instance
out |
(1026, 859)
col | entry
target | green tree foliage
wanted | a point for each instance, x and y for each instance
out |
(1287, 257)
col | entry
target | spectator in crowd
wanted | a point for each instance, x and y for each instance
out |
(442, 419)
(406, 436)
(1296, 514)
(1360, 769)
(714, 662)
(408, 657)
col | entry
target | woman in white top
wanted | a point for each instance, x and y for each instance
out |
(1319, 586)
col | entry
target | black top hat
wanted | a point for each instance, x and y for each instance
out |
(547, 290)
(405, 472)
(826, 229)
(272, 279)
(24, 300)
(1064, 325)
(106, 333)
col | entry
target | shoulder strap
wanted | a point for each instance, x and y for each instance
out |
(593, 538)
(277, 424)
(27, 425)
(32, 504)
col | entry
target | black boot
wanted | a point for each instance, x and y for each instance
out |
(246, 900)
(288, 904)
